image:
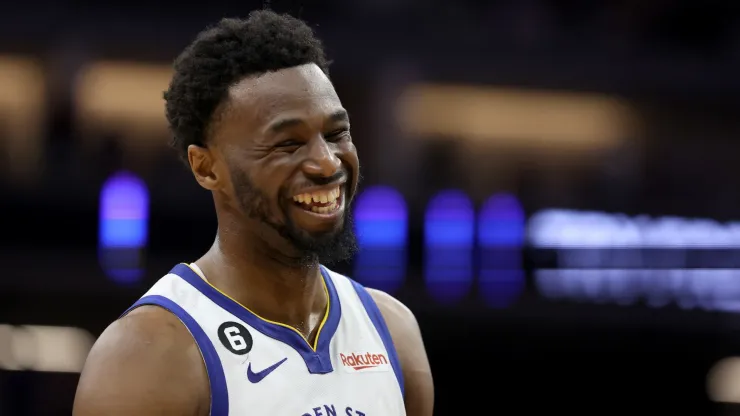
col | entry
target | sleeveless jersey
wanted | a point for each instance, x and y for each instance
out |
(260, 367)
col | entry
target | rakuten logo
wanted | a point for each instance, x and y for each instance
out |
(364, 362)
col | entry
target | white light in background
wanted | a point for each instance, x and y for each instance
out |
(589, 269)
(125, 97)
(516, 117)
(22, 109)
(44, 348)
(559, 228)
(723, 381)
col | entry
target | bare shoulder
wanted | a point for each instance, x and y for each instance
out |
(145, 363)
(394, 312)
(407, 338)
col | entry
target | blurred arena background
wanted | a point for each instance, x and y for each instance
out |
(551, 186)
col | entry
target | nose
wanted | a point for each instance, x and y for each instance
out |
(321, 160)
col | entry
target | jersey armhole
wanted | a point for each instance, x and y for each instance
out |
(214, 368)
(380, 326)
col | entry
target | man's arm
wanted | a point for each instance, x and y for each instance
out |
(409, 345)
(144, 364)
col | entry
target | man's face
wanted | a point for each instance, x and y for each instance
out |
(286, 142)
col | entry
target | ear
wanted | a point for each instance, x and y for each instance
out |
(203, 165)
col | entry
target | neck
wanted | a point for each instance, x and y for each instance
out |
(264, 281)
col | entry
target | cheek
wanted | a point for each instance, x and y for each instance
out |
(272, 182)
(352, 162)
(351, 158)
(348, 153)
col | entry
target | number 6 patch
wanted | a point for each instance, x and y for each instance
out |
(235, 337)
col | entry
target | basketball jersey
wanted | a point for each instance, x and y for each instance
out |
(260, 367)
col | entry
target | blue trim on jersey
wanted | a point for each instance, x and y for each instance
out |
(377, 318)
(216, 377)
(317, 362)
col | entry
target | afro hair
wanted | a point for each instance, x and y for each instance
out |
(225, 54)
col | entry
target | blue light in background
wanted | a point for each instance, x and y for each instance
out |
(449, 232)
(381, 223)
(123, 226)
(501, 222)
(381, 218)
(501, 234)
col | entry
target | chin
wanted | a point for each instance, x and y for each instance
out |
(311, 239)
(329, 247)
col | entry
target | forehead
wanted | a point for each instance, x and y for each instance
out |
(303, 92)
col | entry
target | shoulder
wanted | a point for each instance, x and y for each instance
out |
(131, 368)
(407, 339)
(399, 319)
(394, 312)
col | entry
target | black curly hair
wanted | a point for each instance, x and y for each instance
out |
(225, 54)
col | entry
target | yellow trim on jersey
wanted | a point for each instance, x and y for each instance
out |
(321, 325)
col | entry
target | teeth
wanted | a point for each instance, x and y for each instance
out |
(324, 210)
(318, 197)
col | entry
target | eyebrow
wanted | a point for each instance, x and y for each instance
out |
(286, 123)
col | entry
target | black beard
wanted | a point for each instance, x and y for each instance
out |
(327, 248)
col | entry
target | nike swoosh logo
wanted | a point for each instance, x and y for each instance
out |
(258, 376)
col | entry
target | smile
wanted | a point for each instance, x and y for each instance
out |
(320, 202)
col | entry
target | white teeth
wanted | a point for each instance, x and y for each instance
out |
(319, 197)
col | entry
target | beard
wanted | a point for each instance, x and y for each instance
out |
(326, 248)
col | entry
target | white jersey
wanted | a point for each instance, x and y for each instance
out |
(259, 367)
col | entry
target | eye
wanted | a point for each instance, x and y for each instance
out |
(288, 144)
(337, 135)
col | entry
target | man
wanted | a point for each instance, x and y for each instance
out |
(257, 326)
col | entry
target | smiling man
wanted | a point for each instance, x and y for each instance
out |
(258, 326)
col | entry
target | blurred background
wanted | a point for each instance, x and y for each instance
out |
(551, 186)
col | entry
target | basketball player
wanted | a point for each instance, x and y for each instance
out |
(257, 326)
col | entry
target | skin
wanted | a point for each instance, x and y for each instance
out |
(131, 367)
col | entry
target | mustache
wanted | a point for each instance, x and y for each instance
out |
(337, 177)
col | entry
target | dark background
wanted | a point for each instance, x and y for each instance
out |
(667, 70)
